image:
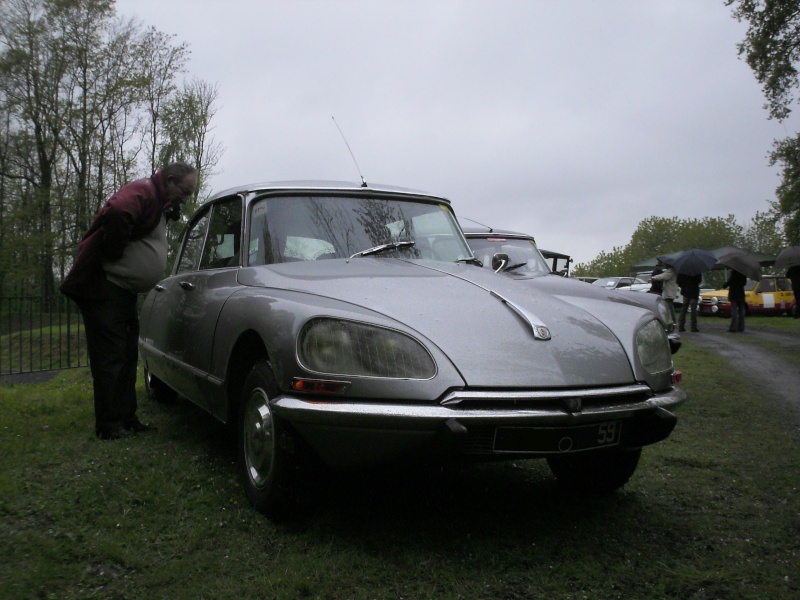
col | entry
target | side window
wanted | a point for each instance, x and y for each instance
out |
(224, 235)
(193, 244)
(784, 285)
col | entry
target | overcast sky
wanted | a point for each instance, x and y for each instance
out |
(571, 120)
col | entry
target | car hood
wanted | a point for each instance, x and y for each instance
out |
(482, 321)
(568, 288)
(714, 294)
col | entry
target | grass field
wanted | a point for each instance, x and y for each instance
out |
(712, 512)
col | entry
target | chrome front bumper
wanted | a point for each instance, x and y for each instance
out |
(351, 433)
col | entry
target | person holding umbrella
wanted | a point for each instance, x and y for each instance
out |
(690, 289)
(688, 262)
(743, 267)
(735, 286)
(793, 273)
(789, 259)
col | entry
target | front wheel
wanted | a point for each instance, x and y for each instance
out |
(267, 447)
(595, 472)
(158, 390)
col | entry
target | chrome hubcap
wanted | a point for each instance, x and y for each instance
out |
(259, 438)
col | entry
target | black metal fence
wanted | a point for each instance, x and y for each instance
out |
(40, 334)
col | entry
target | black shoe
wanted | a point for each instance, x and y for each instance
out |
(136, 426)
(116, 432)
(683, 329)
(696, 330)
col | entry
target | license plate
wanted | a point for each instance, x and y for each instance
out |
(557, 439)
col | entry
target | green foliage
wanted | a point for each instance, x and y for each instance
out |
(662, 235)
(84, 108)
(772, 49)
(787, 154)
(764, 233)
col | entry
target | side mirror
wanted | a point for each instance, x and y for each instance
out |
(499, 262)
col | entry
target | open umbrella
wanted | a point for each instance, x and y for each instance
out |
(741, 261)
(690, 262)
(789, 257)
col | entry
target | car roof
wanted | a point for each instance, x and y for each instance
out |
(322, 185)
(487, 232)
(490, 232)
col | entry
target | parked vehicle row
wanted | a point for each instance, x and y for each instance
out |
(356, 325)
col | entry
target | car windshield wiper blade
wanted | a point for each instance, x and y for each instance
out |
(516, 266)
(383, 247)
(471, 261)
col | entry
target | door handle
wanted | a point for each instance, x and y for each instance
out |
(159, 287)
(186, 285)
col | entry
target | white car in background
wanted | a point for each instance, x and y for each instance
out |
(632, 284)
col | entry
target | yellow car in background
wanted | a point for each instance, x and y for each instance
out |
(771, 296)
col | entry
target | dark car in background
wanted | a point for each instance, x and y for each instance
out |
(351, 326)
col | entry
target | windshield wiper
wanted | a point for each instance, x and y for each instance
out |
(516, 266)
(383, 247)
(471, 261)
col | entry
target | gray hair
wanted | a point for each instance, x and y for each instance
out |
(177, 171)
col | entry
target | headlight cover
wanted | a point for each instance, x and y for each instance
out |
(653, 348)
(340, 347)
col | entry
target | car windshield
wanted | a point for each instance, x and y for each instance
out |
(607, 282)
(303, 228)
(523, 255)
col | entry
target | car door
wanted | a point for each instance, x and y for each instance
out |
(187, 305)
(764, 299)
(784, 296)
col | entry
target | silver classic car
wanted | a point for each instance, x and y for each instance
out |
(352, 324)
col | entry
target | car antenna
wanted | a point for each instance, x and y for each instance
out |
(363, 183)
(478, 223)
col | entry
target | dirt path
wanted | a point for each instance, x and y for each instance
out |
(757, 353)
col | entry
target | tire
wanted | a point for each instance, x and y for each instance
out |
(158, 390)
(268, 450)
(595, 472)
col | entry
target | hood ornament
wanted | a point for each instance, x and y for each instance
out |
(540, 330)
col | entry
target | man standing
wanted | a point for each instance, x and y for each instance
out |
(793, 273)
(735, 286)
(690, 289)
(123, 253)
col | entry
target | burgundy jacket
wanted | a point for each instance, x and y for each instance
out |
(129, 215)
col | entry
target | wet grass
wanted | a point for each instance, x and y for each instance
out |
(712, 512)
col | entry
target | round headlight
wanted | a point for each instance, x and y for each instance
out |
(653, 348)
(338, 347)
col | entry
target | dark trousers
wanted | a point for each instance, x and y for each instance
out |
(112, 334)
(737, 315)
(687, 305)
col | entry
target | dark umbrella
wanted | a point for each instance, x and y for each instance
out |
(789, 257)
(741, 261)
(690, 262)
